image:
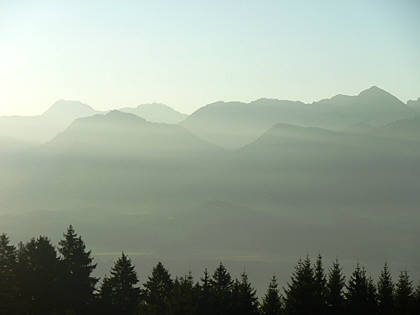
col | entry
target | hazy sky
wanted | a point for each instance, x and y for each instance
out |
(190, 53)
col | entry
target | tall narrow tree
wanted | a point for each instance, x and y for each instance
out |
(385, 292)
(245, 301)
(335, 290)
(404, 294)
(78, 266)
(300, 294)
(38, 272)
(8, 287)
(320, 287)
(357, 294)
(221, 288)
(157, 291)
(271, 304)
(121, 287)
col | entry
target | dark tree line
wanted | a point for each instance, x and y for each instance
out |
(37, 278)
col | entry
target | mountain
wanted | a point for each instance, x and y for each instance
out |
(414, 104)
(156, 112)
(404, 129)
(127, 135)
(235, 124)
(44, 127)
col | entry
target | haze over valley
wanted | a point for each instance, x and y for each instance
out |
(252, 184)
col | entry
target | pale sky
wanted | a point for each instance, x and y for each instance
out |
(189, 53)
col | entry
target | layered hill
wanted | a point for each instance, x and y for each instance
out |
(126, 135)
(235, 124)
(156, 112)
(44, 127)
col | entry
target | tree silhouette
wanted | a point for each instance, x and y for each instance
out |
(205, 306)
(38, 271)
(221, 288)
(404, 294)
(271, 304)
(78, 266)
(120, 287)
(157, 291)
(301, 298)
(8, 288)
(385, 292)
(184, 298)
(335, 285)
(320, 287)
(244, 297)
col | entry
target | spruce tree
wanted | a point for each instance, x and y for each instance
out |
(38, 275)
(372, 297)
(385, 292)
(157, 291)
(320, 287)
(416, 307)
(205, 305)
(301, 298)
(221, 288)
(120, 288)
(184, 298)
(78, 266)
(245, 301)
(357, 294)
(335, 285)
(271, 304)
(8, 288)
(404, 294)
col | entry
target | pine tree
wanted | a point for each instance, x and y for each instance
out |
(416, 307)
(8, 288)
(372, 297)
(184, 298)
(301, 298)
(357, 294)
(221, 289)
(335, 285)
(385, 292)
(404, 294)
(320, 287)
(119, 289)
(38, 273)
(245, 301)
(157, 291)
(271, 304)
(78, 266)
(205, 305)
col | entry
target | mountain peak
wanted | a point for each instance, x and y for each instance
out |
(374, 91)
(69, 108)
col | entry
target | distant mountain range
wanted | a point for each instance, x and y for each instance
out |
(156, 112)
(231, 124)
(235, 124)
(126, 135)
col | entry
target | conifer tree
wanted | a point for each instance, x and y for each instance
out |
(221, 288)
(357, 295)
(120, 288)
(8, 288)
(38, 273)
(335, 285)
(205, 305)
(416, 307)
(385, 292)
(245, 301)
(184, 299)
(404, 294)
(372, 297)
(157, 291)
(300, 294)
(320, 287)
(271, 304)
(78, 266)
